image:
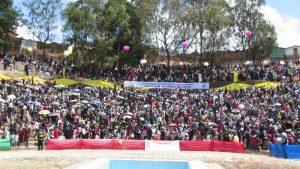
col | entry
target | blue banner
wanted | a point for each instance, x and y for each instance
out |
(285, 151)
(167, 85)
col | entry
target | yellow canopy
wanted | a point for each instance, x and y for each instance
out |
(4, 77)
(269, 85)
(233, 86)
(35, 79)
(65, 81)
(97, 83)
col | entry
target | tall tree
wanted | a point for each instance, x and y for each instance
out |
(9, 23)
(199, 11)
(80, 29)
(173, 25)
(218, 29)
(247, 15)
(41, 19)
(263, 41)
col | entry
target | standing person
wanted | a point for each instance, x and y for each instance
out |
(55, 133)
(41, 137)
(27, 135)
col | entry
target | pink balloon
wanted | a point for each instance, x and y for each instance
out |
(184, 44)
(248, 33)
(126, 48)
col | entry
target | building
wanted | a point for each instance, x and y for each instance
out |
(292, 52)
(21, 46)
(289, 53)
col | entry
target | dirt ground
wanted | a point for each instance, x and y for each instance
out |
(32, 159)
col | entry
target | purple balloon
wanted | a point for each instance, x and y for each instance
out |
(126, 48)
(184, 44)
(248, 33)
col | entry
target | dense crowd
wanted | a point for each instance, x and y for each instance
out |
(271, 71)
(255, 116)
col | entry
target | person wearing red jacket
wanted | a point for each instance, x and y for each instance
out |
(22, 136)
(55, 133)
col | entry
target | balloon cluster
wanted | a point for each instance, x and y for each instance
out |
(69, 51)
(248, 33)
(29, 49)
(126, 48)
(184, 44)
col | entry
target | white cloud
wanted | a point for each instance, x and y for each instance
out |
(287, 27)
(24, 32)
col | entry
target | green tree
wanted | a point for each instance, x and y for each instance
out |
(80, 29)
(247, 15)
(41, 19)
(173, 25)
(263, 41)
(218, 29)
(199, 12)
(9, 23)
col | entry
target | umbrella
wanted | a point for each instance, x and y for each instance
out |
(88, 88)
(54, 114)
(11, 96)
(235, 111)
(55, 103)
(75, 94)
(73, 101)
(211, 124)
(76, 90)
(248, 63)
(44, 112)
(147, 124)
(84, 102)
(143, 61)
(130, 114)
(120, 97)
(60, 86)
(172, 125)
(127, 117)
(277, 104)
(206, 64)
(20, 84)
(28, 91)
(241, 106)
(146, 106)
(47, 74)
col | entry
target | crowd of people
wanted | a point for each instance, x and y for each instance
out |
(255, 116)
(270, 71)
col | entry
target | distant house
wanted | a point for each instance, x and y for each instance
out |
(53, 50)
(290, 53)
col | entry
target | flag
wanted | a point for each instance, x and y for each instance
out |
(235, 76)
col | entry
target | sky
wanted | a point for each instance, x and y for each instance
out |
(283, 14)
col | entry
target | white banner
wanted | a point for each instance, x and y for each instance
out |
(151, 145)
(168, 85)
